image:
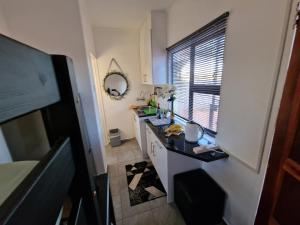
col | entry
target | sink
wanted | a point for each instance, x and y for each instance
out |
(150, 110)
(159, 122)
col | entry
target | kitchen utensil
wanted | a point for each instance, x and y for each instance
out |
(193, 132)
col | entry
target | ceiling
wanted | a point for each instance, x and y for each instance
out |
(122, 13)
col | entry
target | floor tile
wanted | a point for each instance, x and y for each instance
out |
(123, 185)
(113, 170)
(114, 185)
(117, 207)
(167, 215)
(121, 169)
(158, 202)
(119, 222)
(144, 218)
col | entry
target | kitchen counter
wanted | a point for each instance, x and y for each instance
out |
(178, 145)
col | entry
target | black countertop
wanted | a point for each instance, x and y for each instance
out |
(179, 145)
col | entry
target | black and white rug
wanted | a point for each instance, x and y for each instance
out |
(143, 183)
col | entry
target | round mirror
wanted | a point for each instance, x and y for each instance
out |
(116, 85)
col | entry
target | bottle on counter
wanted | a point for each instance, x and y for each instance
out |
(172, 116)
(158, 114)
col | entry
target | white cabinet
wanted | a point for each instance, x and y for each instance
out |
(167, 163)
(149, 137)
(159, 156)
(153, 43)
(137, 129)
(146, 52)
(161, 162)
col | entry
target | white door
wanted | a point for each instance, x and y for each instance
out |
(97, 88)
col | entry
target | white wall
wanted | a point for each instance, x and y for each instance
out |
(55, 27)
(3, 24)
(123, 45)
(24, 138)
(252, 55)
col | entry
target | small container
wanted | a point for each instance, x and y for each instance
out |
(115, 137)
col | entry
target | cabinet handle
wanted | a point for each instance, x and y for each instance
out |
(152, 149)
(159, 145)
(154, 154)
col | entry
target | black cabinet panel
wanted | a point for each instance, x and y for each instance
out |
(27, 79)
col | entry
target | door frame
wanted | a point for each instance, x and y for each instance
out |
(281, 106)
(99, 97)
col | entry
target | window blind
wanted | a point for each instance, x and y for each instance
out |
(195, 69)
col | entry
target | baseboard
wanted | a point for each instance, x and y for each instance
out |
(128, 139)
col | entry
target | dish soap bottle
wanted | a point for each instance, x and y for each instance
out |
(158, 112)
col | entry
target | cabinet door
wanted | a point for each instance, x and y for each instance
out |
(157, 159)
(146, 52)
(148, 138)
(134, 124)
(137, 129)
(150, 144)
(161, 163)
(158, 156)
(148, 55)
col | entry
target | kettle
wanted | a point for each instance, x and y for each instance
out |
(193, 132)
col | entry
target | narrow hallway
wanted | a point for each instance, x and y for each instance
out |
(155, 212)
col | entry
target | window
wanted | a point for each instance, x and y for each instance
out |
(195, 69)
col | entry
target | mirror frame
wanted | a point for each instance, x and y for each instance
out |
(126, 80)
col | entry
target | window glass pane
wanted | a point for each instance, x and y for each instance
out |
(206, 109)
(196, 67)
(181, 79)
(209, 61)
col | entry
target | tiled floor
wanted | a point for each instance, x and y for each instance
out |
(156, 212)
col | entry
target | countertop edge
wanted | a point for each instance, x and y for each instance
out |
(201, 156)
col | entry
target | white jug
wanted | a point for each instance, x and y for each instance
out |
(193, 132)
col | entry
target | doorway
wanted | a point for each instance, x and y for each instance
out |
(280, 200)
(98, 93)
